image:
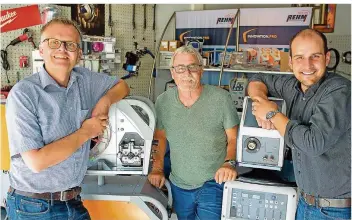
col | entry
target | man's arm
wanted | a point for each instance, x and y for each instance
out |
(158, 157)
(263, 85)
(280, 122)
(262, 106)
(227, 172)
(58, 151)
(156, 176)
(331, 118)
(231, 135)
(257, 89)
(115, 94)
(54, 153)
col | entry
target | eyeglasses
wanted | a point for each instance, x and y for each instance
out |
(190, 68)
(55, 44)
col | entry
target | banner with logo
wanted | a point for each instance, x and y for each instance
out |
(17, 18)
(264, 32)
(207, 30)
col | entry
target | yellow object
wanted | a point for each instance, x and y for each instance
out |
(5, 151)
(98, 210)
(112, 210)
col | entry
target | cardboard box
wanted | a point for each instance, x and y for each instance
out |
(164, 45)
(252, 55)
(174, 44)
(284, 58)
(165, 59)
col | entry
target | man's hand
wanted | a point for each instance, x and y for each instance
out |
(102, 107)
(225, 173)
(260, 107)
(156, 178)
(95, 126)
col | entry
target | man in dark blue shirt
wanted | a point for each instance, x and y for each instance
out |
(317, 127)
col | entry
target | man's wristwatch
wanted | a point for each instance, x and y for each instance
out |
(231, 162)
(271, 114)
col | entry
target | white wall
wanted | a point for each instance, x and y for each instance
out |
(163, 13)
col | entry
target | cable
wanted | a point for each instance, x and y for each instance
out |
(337, 59)
(5, 63)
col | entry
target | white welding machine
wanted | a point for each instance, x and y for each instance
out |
(258, 147)
(251, 199)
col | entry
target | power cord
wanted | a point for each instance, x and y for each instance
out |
(5, 63)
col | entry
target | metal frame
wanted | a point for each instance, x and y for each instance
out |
(135, 189)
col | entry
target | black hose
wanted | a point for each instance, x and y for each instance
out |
(337, 56)
(5, 63)
(154, 17)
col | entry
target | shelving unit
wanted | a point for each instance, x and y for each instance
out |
(240, 71)
(164, 75)
(247, 71)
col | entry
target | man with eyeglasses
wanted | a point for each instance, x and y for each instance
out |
(200, 122)
(51, 118)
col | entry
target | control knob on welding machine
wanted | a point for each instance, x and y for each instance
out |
(252, 145)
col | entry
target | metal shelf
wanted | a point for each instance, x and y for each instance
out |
(238, 71)
(248, 71)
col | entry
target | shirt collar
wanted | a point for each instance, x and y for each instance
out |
(311, 90)
(46, 79)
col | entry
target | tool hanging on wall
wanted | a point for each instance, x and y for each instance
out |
(132, 62)
(26, 35)
(18, 76)
(145, 20)
(133, 19)
(135, 44)
(23, 61)
(30, 39)
(334, 60)
(154, 9)
(346, 57)
(110, 23)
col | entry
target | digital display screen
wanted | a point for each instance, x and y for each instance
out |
(256, 197)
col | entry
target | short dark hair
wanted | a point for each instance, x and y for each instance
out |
(310, 31)
(64, 21)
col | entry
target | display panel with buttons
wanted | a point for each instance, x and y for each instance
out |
(256, 201)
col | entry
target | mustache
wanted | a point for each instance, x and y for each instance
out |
(187, 79)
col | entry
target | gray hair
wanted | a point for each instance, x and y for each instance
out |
(63, 21)
(189, 50)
